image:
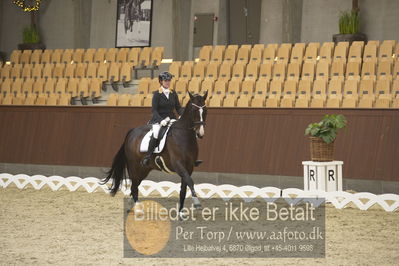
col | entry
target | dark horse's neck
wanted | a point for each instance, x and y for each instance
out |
(184, 131)
(185, 120)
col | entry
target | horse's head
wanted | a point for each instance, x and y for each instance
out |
(198, 112)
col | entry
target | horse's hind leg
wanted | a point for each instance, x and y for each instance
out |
(136, 176)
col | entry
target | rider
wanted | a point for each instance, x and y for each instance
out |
(163, 102)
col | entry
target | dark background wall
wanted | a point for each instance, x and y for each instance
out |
(251, 141)
(88, 23)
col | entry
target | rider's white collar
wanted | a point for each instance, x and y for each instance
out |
(165, 91)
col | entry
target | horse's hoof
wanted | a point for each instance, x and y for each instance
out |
(197, 163)
(196, 203)
(182, 216)
(138, 208)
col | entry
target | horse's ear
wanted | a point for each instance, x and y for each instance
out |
(205, 95)
(191, 96)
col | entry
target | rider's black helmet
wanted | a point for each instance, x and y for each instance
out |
(165, 76)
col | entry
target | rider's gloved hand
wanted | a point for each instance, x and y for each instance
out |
(165, 121)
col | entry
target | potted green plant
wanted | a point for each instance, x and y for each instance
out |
(322, 137)
(31, 36)
(349, 26)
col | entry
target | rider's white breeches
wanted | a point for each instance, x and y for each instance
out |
(155, 130)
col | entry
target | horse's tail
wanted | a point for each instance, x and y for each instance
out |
(117, 171)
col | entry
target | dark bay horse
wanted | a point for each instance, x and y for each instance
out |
(179, 154)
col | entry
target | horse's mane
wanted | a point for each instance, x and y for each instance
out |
(187, 106)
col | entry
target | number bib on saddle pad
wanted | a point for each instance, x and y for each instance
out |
(146, 141)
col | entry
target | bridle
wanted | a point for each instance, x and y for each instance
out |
(201, 110)
(196, 123)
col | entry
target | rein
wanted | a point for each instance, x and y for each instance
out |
(201, 108)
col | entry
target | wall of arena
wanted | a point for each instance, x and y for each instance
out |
(91, 24)
(242, 141)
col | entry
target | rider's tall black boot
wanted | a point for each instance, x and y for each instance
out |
(151, 147)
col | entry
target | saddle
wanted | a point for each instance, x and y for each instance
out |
(162, 139)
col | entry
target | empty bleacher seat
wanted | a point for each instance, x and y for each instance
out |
(370, 52)
(262, 86)
(199, 70)
(341, 52)
(217, 53)
(256, 54)
(247, 86)
(212, 70)
(384, 69)
(308, 71)
(311, 52)
(230, 100)
(174, 69)
(121, 55)
(279, 70)
(36, 57)
(269, 54)
(194, 85)
(252, 70)
(326, 52)
(99, 55)
(244, 101)
(133, 56)
(238, 71)
(353, 70)
(216, 100)
(15, 56)
(386, 50)
(66, 56)
(369, 70)
(284, 52)
(305, 89)
(137, 100)
(293, 71)
(77, 55)
(297, 53)
(230, 53)
(186, 71)
(156, 56)
(205, 53)
(338, 70)
(70, 71)
(25, 57)
(265, 70)
(234, 87)
(207, 85)
(355, 52)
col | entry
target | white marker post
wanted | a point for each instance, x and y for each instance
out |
(325, 176)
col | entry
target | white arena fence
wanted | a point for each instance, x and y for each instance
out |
(339, 199)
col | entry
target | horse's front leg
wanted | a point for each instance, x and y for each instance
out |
(183, 192)
(186, 178)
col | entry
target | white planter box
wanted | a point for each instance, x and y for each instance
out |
(325, 176)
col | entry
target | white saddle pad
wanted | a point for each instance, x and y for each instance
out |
(146, 141)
